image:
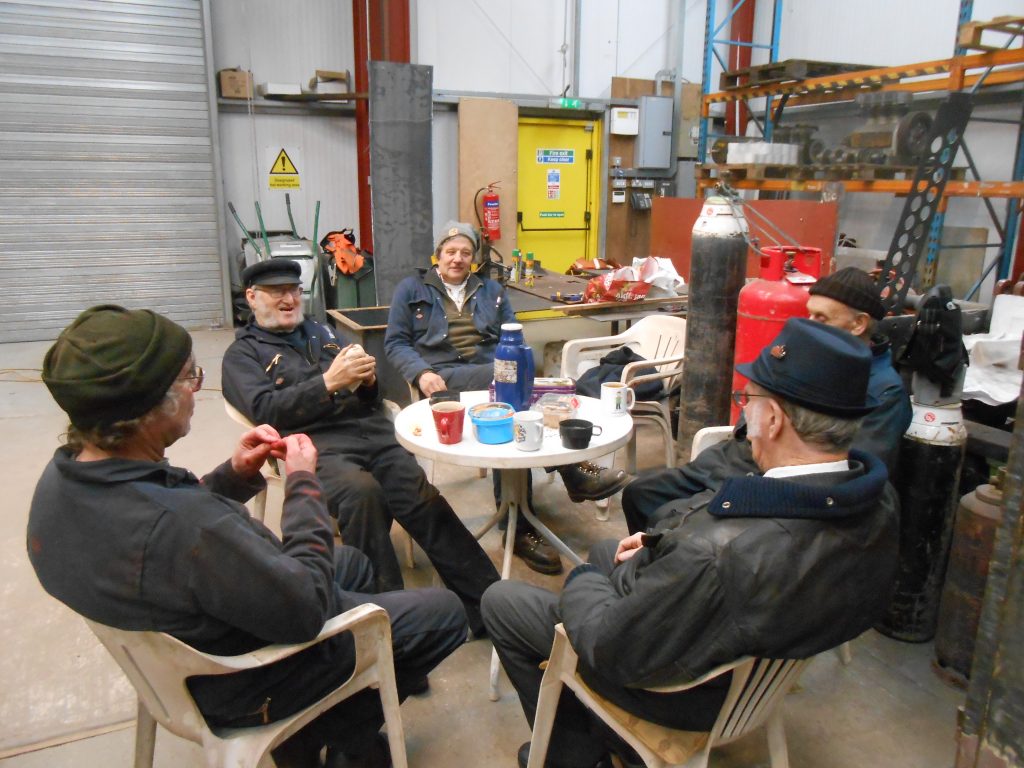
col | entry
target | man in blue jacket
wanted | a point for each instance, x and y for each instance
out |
(847, 299)
(443, 328)
(124, 538)
(784, 565)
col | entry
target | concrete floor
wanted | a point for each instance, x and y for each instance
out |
(65, 703)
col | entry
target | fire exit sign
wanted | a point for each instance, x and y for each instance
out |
(556, 156)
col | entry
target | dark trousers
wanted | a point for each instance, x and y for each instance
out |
(427, 625)
(521, 621)
(370, 480)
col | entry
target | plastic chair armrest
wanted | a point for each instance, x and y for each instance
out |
(363, 614)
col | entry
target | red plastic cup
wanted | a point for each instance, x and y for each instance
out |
(448, 419)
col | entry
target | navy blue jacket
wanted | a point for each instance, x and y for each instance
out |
(417, 335)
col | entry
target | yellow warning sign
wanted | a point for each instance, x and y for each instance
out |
(283, 173)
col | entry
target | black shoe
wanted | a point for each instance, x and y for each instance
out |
(418, 686)
(524, 757)
(536, 553)
(588, 482)
(378, 755)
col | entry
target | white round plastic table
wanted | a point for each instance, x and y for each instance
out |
(414, 428)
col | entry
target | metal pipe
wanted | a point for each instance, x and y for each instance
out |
(577, 24)
(288, 206)
(245, 230)
(263, 228)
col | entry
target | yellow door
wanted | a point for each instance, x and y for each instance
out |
(558, 190)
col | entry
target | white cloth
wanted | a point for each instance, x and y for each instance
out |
(457, 293)
(993, 376)
(809, 469)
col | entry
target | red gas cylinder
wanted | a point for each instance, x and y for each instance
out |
(765, 304)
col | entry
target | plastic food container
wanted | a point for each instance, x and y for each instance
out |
(556, 408)
(492, 422)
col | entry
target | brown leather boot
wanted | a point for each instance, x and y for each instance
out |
(587, 481)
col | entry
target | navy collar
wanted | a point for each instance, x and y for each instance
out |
(820, 497)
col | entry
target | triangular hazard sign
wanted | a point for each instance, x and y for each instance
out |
(283, 165)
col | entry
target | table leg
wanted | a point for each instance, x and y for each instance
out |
(514, 500)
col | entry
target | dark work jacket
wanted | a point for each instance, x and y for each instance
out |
(417, 334)
(272, 382)
(784, 568)
(143, 545)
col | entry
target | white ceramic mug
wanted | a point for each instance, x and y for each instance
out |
(618, 399)
(528, 430)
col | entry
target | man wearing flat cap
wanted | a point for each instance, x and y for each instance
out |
(847, 299)
(290, 372)
(127, 540)
(784, 565)
(443, 328)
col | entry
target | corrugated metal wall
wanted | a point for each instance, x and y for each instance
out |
(107, 187)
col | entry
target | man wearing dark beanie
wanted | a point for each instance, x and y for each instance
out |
(847, 299)
(127, 540)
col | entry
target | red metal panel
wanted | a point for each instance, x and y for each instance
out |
(812, 224)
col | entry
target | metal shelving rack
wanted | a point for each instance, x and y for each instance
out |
(963, 71)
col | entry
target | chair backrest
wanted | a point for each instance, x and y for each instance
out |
(157, 665)
(758, 687)
(657, 336)
(706, 437)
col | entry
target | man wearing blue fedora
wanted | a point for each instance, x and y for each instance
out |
(783, 565)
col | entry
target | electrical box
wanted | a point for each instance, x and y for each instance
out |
(618, 196)
(654, 141)
(625, 121)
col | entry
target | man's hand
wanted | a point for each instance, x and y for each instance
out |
(628, 547)
(253, 449)
(429, 383)
(349, 371)
(298, 452)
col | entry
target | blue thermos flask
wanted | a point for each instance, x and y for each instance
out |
(513, 368)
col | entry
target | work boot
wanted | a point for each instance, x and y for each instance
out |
(587, 481)
(533, 550)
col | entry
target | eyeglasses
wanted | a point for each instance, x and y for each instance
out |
(279, 291)
(195, 378)
(742, 398)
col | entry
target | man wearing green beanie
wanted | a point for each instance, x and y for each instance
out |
(124, 538)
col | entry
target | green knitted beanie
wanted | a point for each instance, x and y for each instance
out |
(113, 364)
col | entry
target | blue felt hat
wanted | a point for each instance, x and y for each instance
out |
(822, 368)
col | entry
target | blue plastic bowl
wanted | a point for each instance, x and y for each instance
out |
(492, 422)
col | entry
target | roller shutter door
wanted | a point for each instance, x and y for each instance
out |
(107, 183)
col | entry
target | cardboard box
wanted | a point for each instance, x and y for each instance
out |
(235, 83)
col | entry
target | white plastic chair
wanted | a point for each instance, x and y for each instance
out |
(755, 694)
(159, 666)
(705, 438)
(275, 476)
(661, 340)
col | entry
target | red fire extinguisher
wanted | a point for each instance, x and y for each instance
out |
(492, 213)
(765, 304)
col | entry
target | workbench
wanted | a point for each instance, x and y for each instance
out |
(549, 288)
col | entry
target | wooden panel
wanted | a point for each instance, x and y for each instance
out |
(813, 224)
(488, 151)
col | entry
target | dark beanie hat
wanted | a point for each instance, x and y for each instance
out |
(113, 364)
(852, 287)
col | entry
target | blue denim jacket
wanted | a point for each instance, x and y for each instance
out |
(417, 334)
